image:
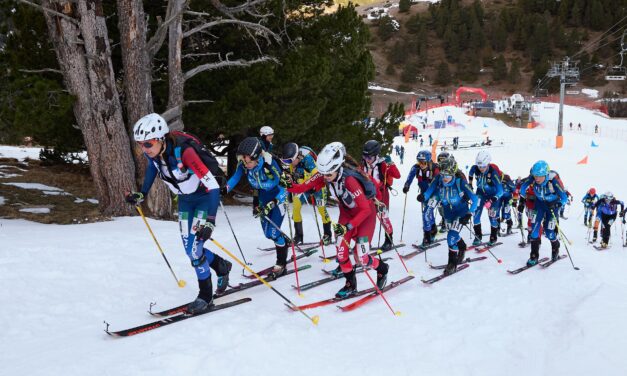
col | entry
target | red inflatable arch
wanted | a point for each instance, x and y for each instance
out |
(464, 89)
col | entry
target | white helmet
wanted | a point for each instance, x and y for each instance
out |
(331, 157)
(149, 127)
(483, 159)
(266, 131)
(609, 195)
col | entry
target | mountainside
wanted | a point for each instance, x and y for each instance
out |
(504, 46)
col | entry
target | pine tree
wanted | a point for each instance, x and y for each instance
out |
(443, 77)
(452, 44)
(514, 73)
(499, 71)
(404, 5)
(597, 16)
(499, 36)
(410, 73)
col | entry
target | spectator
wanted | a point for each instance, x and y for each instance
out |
(579, 126)
(571, 125)
(402, 153)
(596, 128)
(430, 139)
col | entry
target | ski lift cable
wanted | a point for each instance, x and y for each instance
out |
(608, 42)
(596, 40)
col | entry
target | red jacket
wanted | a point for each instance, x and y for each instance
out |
(383, 175)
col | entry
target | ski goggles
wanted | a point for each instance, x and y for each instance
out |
(287, 161)
(146, 144)
(446, 175)
(422, 163)
(369, 157)
(245, 159)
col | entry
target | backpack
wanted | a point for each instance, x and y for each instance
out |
(184, 140)
(369, 188)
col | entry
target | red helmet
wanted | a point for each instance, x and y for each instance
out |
(592, 191)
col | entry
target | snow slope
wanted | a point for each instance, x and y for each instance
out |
(58, 284)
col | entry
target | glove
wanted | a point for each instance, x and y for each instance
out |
(555, 205)
(203, 233)
(286, 181)
(488, 204)
(380, 206)
(465, 219)
(135, 198)
(264, 210)
(224, 190)
(421, 197)
(340, 230)
(406, 189)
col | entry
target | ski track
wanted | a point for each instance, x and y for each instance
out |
(58, 284)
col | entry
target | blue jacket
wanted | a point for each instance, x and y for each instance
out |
(453, 196)
(488, 183)
(589, 201)
(264, 177)
(548, 193)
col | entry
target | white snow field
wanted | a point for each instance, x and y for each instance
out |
(59, 283)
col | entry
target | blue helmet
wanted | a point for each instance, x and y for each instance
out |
(540, 168)
(424, 155)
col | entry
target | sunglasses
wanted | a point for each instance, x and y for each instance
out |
(422, 163)
(146, 144)
(369, 157)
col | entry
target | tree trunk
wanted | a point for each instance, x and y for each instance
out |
(137, 88)
(176, 81)
(84, 56)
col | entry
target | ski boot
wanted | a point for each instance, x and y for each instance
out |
(555, 250)
(535, 252)
(494, 233)
(382, 274)
(222, 268)
(387, 244)
(604, 244)
(427, 240)
(595, 235)
(205, 298)
(510, 223)
(327, 238)
(350, 287)
(443, 228)
(298, 233)
(278, 270)
(337, 272)
(434, 232)
(461, 253)
(478, 235)
(451, 267)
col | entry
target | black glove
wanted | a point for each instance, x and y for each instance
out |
(465, 219)
(224, 190)
(135, 198)
(285, 181)
(340, 230)
(421, 197)
(203, 233)
(555, 205)
(406, 189)
(264, 210)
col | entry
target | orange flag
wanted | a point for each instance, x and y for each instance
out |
(407, 134)
(583, 161)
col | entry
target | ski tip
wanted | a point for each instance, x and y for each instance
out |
(315, 320)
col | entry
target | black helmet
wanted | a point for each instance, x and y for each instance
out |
(290, 151)
(250, 146)
(443, 155)
(448, 166)
(372, 148)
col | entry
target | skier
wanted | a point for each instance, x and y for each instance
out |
(607, 212)
(442, 156)
(382, 172)
(527, 204)
(300, 165)
(355, 194)
(570, 200)
(422, 141)
(430, 140)
(588, 200)
(264, 175)
(266, 134)
(425, 170)
(187, 168)
(454, 193)
(402, 153)
(489, 190)
(505, 213)
(549, 196)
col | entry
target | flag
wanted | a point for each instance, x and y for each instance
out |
(594, 145)
(584, 160)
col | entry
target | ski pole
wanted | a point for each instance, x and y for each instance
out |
(565, 247)
(324, 257)
(374, 284)
(314, 319)
(403, 224)
(287, 211)
(398, 254)
(181, 283)
(235, 237)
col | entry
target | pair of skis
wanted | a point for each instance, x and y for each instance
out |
(304, 247)
(373, 251)
(331, 277)
(267, 270)
(367, 295)
(544, 262)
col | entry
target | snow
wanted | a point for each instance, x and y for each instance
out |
(19, 152)
(381, 88)
(592, 93)
(41, 187)
(2, 200)
(59, 286)
(36, 210)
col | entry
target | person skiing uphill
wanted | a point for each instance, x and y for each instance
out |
(454, 193)
(300, 165)
(264, 174)
(588, 200)
(550, 195)
(355, 193)
(177, 159)
(489, 190)
(505, 212)
(266, 134)
(425, 170)
(382, 172)
(607, 211)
